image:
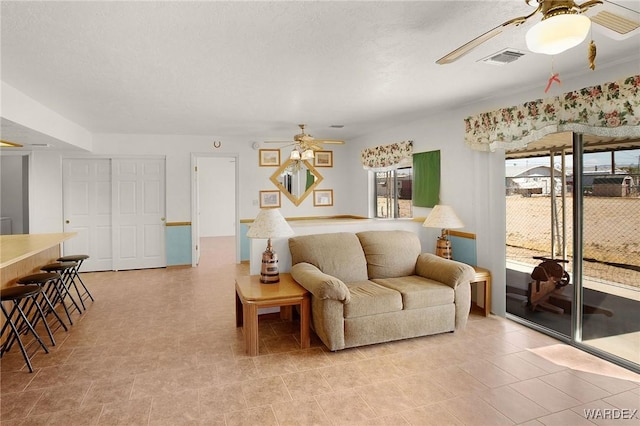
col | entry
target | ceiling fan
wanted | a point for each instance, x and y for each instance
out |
(304, 144)
(563, 25)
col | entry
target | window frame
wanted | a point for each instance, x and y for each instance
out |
(391, 176)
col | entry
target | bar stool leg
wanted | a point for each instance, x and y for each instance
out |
(44, 320)
(20, 324)
(76, 274)
(58, 285)
(53, 311)
(16, 307)
(25, 325)
(78, 260)
(15, 332)
(68, 282)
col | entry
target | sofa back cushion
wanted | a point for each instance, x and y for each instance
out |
(390, 254)
(339, 254)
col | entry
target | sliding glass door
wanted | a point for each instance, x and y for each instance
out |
(573, 245)
(537, 236)
(610, 298)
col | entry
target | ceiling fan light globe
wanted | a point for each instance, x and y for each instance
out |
(307, 155)
(295, 155)
(558, 33)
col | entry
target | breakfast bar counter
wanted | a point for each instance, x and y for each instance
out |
(24, 254)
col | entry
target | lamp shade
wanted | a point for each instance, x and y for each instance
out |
(444, 217)
(295, 155)
(269, 224)
(558, 33)
(307, 154)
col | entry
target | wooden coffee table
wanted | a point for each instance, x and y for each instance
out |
(251, 294)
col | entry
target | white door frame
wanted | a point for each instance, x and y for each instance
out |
(195, 231)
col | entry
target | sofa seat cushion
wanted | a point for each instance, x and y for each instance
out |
(368, 298)
(418, 292)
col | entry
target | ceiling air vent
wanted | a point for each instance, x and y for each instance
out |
(503, 57)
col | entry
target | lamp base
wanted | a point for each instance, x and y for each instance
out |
(269, 272)
(443, 247)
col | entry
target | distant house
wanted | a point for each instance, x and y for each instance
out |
(531, 180)
(613, 186)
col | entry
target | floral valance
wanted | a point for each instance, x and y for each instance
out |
(387, 157)
(611, 109)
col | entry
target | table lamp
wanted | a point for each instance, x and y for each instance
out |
(445, 218)
(269, 224)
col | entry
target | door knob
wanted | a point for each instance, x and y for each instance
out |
(66, 221)
(162, 219)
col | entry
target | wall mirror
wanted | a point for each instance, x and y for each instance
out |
(296, 179)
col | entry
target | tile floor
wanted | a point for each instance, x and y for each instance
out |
(160, 347)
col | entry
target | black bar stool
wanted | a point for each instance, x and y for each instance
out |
(48, 282)
(66, 280)
(79, 259)
(18, 294)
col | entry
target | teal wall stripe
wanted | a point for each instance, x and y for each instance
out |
(245, 252)
(178, 245)
(463, 249)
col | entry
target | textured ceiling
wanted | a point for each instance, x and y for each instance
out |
(257, 69)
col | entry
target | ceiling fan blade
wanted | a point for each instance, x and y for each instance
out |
(289, 142)
(617, 21)
(468, 47)
(329, 141)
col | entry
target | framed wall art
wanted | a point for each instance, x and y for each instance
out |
(269, 199)
(323, 197)
(323, 159)
(269, 157)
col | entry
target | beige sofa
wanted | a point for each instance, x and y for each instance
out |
(376, 286)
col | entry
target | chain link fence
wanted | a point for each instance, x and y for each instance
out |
(611, 224)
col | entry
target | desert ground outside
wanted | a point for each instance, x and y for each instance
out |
(611, 234)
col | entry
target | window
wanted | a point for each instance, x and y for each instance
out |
(392, 196)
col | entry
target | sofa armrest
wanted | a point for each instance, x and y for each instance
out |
(321, 285)
(443, 270)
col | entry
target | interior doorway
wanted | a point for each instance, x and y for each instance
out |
(214, 210)
(14, 202)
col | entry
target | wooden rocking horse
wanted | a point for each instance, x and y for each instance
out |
(545, 293)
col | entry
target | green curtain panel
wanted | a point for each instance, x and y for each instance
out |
(426, 178)
(310, 179)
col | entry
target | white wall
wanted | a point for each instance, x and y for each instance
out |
(217, 194)
(253, 178)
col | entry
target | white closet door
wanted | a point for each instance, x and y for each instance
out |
(87, 211)
(138, 187)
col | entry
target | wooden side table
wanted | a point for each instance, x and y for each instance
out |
(484, 275)
(251, 294)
